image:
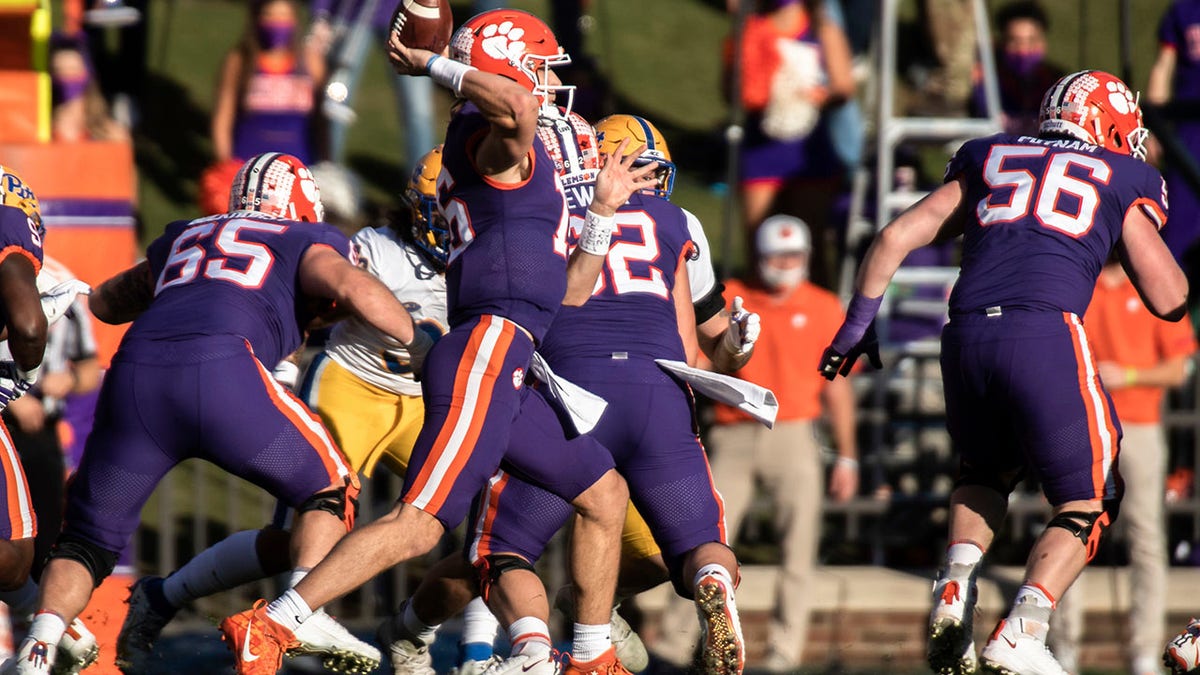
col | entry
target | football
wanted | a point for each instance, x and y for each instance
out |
(424, 24)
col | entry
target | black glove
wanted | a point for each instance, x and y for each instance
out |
(834, 362)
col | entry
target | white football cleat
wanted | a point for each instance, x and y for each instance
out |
(34, 657)
(341, 652)
(473, 667)
(525, 664)
(630, 649)
(1012, 651)
(409, 655)
(1182, 654)
(77, 650)
(951, 647)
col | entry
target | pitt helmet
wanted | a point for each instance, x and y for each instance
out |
(278, 185)
(516, 45)
(429, 230)
(1095, 107)
(611, 130)
(16, 194)
(571, 143)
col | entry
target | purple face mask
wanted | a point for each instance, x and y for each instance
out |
(1023, 63)
(275, 35)
(69, 90)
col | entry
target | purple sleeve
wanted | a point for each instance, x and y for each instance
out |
(332, 237)
(1153, 200)
(21, 235)
(1169, 29)
(157, 251)
(959, 163)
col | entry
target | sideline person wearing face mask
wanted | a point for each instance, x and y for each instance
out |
(1022, 72)
(798, 318)
(265, 95)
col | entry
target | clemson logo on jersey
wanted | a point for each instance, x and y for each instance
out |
(503, 41)
(518, 377)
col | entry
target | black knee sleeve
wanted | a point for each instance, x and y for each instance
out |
(337, 502)
(491, 567)
(98, 561)
(1089, 526)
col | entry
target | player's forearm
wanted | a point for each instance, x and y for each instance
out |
(124, 297)
(376, 305)
(839, 405)
(504, 103)
(27, 336)
(583, 269)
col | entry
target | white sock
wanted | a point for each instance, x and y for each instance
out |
(289, 609)
(47, 627)
(23, 601)
(529, 635)
(416, 626)
(229, 563)
(296, 575)
(590, 642)
(714, 570)
(963, 553)
(479, 624)
(1032, 608)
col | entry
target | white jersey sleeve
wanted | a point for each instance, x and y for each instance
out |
(368, 353)
(701, 275)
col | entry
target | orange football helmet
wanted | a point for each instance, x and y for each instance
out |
(1096, 107)
(516, 45)
(278, 185)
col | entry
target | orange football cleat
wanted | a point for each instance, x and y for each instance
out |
(605, 664)
(258, 642)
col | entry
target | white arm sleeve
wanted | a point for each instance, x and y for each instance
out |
(701, 275)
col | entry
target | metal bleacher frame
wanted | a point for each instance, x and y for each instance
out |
(905, 372)
(903, 362)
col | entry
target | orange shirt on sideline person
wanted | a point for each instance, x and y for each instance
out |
(795, 331)
(1123, 331)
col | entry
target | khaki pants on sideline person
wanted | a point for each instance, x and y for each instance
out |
(1141, 525)
(787, 463)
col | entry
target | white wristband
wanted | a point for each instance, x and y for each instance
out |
(597, 233)
(31, 375)
(287, 374)
(847, 461)
(448, 72)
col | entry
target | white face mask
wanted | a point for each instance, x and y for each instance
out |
(779, 279)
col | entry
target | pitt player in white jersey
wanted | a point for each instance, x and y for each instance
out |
(362, 385)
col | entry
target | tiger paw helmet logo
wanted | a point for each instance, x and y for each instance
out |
(503, 41)
(1120, 98)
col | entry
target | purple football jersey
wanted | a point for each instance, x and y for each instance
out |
(508, 254)
(19, 234)
(1042, 216)
(1180, 28)
(233, 274)
(631, 310)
